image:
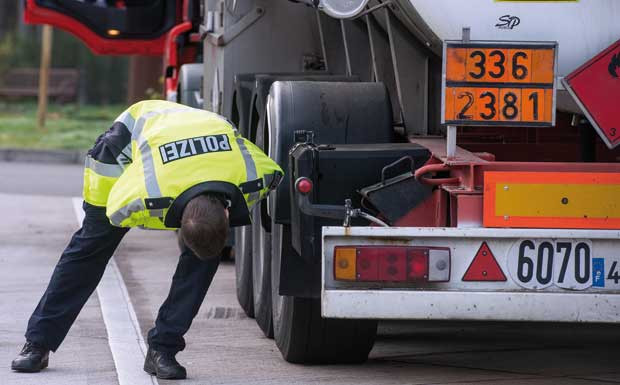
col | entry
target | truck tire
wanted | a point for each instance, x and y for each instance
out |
(301, 334)
(261, 272)
(261, 247)
(243, 269)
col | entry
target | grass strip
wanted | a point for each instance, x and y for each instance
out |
(67, 127)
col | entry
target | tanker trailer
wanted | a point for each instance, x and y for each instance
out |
(464, 236)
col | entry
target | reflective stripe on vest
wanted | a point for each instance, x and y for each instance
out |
(124, 212)
(98, 180)
(150, 179)
(124, 157)
(272, 180)
(250, 168)
(103, 169)
(127, 120)
(133, 207)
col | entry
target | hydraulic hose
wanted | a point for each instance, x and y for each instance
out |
(372, 219)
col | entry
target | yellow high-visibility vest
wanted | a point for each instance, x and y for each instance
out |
(164, 155)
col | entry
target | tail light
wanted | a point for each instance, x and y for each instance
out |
(418, 265)
(391, 264)
(303, 185)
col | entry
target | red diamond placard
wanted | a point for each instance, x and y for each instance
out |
(595, 86)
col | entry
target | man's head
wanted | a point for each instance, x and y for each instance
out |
(204, 226)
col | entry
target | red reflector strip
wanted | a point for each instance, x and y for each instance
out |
(391, 263)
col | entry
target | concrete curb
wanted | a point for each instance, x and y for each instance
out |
(42, 156)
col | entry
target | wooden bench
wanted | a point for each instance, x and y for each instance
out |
(23, 82)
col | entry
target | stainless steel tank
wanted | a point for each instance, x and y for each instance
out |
(582, 28)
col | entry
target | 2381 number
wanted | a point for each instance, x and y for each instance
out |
(488, 110)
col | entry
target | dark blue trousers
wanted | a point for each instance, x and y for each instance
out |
(80, 269)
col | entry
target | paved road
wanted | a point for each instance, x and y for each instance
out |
(227, 348)
(41, 179)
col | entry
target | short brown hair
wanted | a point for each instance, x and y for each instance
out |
(204, 226)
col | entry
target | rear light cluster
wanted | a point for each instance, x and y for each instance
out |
(391, 264)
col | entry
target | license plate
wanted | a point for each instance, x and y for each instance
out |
(571, 264)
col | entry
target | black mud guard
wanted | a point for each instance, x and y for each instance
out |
(251, 91)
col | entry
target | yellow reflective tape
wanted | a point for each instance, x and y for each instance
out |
(557, 200)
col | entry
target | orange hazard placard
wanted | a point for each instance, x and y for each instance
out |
(503, 84)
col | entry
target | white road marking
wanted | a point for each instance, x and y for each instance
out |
(126, 343)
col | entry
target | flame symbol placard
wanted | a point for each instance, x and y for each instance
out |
(614, 65)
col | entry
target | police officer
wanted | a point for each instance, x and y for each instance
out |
(161, 165)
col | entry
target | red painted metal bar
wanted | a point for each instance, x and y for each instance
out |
(171, 55)
(465, 182)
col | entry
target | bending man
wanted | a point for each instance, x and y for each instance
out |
(161, 165)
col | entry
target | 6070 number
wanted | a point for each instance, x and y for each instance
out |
(537, 264)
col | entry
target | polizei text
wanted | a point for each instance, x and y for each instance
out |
(193, 146)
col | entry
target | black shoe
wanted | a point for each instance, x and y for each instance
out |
(31, 359)
(163, 365)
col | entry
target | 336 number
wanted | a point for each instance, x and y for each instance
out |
(519, 71)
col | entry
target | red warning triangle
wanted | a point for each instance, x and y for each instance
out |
(484, 267)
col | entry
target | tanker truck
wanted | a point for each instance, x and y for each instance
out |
(444, 159)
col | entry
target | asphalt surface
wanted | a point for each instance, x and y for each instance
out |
(225, 347)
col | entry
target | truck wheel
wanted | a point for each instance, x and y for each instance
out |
(261, 241)
(300, 332)
(261, 272)
(243, 269)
